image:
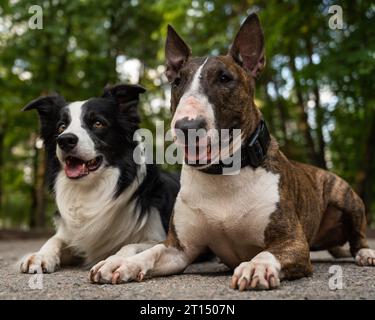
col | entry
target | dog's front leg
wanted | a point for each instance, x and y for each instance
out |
(156, 261)
(133, 249)
(170, 257)
(107, 266)
(46, 260)
(284, 258)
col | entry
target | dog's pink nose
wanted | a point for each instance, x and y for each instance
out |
(189, 107)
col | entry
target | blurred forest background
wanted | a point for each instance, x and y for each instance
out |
(317, 92)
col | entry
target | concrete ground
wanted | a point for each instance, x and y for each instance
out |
(201, 281)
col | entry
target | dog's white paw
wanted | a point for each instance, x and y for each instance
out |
(365, 257)
(116, 270)
(262, 272)
(39, 263)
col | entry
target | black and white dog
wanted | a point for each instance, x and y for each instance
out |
(107, 202)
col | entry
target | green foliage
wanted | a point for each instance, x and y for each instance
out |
(324, 74)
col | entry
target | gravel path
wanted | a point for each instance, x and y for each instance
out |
(201, 281)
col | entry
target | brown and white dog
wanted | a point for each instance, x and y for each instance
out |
(262, 222)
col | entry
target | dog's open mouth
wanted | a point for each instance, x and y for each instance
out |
(209, 153)
(76, 168)
(196, 154)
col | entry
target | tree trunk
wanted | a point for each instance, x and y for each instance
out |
(112, 53)
(38, 207)
(319, 112)
(2, 137)
(303, 123)
(282, 115)
(269, 110)
(366, 176)
(60, 74)
(40, 191)
(320, 123)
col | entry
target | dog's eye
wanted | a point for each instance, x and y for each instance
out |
(224, 78)
(98, 125)
(61, 128)
(176, 82)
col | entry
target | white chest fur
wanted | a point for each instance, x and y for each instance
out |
(236, 208)
(94, 223)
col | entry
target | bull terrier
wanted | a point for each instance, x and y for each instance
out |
(262, 222)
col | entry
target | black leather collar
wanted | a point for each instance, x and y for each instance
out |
(253, 152)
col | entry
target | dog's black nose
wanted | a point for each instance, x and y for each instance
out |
(67, 141)
(193, 124)
(185, 127)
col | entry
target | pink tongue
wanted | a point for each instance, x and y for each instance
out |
(76, 170)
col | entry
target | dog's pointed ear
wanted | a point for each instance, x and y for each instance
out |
(47, 106)
(126, 97)
(248, 46)
(177, 52)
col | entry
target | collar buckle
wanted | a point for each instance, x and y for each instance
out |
(257, 148)
(256, 154)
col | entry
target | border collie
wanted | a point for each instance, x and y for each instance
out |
(106, 201)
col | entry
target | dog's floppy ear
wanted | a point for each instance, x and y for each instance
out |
(176, 53)
(48, 109)
(248, 46)
(126, 97)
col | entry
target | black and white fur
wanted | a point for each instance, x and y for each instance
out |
(119, 205)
